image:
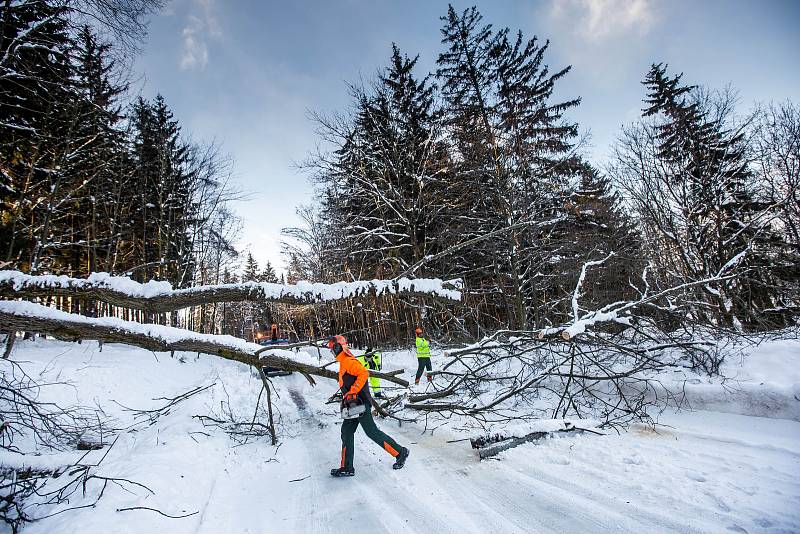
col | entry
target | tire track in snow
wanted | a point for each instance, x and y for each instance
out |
(472, 504)
(200, 520)
(631, 483)
(572, 506)
(378, 498)
(311, 517)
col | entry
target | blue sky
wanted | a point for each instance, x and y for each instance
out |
(246, 73)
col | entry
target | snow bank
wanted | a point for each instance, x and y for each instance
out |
(744, 398)
(761, 380)
(772, 362)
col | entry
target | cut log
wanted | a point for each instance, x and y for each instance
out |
(86, 445)
(493, 444)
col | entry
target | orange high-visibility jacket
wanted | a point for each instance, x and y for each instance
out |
(352, 375)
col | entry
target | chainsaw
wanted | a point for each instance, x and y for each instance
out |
(351, 409)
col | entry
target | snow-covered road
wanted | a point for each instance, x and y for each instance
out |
(705, 472)
(700, 480)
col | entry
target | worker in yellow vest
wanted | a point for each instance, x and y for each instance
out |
(372, 361)
(423, 357)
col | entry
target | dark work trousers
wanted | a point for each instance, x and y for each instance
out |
(422, 364)
(372, 431)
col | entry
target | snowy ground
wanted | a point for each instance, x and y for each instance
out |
(704, 471)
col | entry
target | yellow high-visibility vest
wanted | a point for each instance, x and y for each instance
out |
(372, 364)
(423, 348)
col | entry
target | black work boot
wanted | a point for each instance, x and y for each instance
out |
(343, 472)
(400, 461)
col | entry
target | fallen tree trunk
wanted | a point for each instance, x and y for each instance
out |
(159, 297)
(9, 345)
(494, 444)
(36, 318)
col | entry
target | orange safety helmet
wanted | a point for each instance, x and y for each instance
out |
(337, 344)
(418, 330)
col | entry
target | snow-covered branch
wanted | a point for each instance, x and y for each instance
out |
(620, 312)
(484, 237)
(32, 317)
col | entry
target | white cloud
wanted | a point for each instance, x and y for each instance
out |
(201, 26)
(599, 20)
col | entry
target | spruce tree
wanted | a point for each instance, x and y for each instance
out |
(163, 186)
(383, 187)
(268, 274)
(250, 273)
(709, 186)
(97, 162)
(514, 152)
(36, 95)
(596, 226)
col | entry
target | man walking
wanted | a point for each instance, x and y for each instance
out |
(352, 379)
(423, 357)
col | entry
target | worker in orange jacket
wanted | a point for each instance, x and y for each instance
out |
(352, 379)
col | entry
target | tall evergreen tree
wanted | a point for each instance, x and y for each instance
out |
(36, 96)
(268, 274)
(165, 208)
(698, 203)
(515, 154)
(383, 185)
(596, 226)
(250, 273)
(96, 165)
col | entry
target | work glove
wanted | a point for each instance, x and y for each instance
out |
(350, 397)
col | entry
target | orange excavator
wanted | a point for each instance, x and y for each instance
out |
(272, 339)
